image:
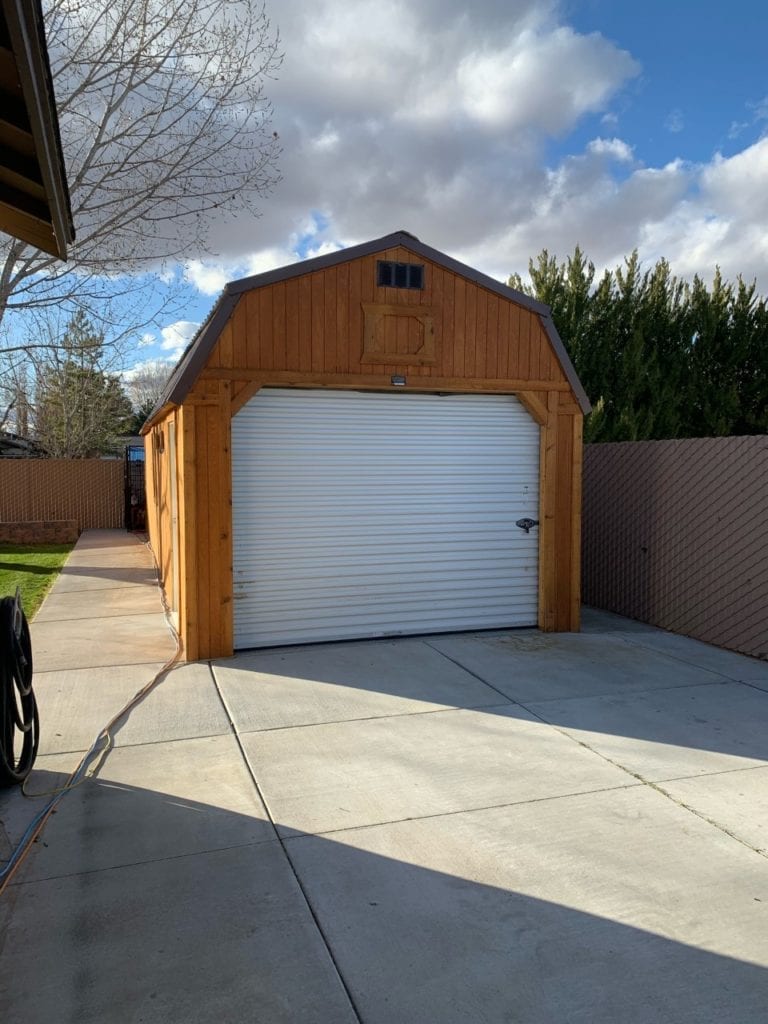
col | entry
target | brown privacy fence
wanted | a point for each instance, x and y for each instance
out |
(89, 491)
(675, 533)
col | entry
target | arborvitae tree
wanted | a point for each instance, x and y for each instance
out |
(658, 357)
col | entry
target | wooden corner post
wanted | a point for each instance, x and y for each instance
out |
(206, 620)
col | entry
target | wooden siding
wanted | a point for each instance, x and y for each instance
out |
(157, 475)
(309, 331)
(314, 326)
(205, 521)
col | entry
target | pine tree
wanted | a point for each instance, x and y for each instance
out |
(80, 410)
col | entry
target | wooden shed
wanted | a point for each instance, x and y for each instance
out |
(377, 442)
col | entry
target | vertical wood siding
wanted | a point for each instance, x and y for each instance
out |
(206, 520)
(157, 467)
(314, 325)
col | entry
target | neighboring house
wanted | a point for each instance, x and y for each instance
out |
(34, 199)
(14, 447)
(377, 442)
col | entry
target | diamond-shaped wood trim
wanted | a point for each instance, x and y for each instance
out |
(398, 334)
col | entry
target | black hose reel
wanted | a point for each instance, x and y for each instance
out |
(19, 725)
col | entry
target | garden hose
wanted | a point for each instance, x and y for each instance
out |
(19, 725)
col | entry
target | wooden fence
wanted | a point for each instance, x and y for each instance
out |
(89, 491)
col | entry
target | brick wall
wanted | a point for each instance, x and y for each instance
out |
(675, 533)
(49, 531)
(88, 491)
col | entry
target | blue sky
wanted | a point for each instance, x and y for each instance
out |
(702, 78)
(496, 129)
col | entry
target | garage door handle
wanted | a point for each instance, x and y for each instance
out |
(526, 524)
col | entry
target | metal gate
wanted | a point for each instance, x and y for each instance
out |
(135, 489)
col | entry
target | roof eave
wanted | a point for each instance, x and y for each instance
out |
(565, 361)
(25, 28)
(390, 241)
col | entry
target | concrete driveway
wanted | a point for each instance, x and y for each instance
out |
(508, 827)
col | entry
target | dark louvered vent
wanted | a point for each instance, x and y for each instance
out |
(399, 275)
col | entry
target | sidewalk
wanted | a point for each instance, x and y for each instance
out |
(98, 638)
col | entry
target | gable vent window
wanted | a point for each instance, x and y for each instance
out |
(399, 275)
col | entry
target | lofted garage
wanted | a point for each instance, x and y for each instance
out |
(377, 442)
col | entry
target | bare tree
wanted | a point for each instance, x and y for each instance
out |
(144, 385)
(14, 401)
(164, 123)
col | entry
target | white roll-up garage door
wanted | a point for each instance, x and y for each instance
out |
(365, 514)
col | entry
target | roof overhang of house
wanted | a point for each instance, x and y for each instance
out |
(197, 352)
(34, 198)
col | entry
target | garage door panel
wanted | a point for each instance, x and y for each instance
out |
(475, 594)
(348, 588)
(274, 574)
(381, 514)
(346, 628)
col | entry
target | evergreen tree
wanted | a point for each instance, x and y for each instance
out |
(659, 357)
(80, 410)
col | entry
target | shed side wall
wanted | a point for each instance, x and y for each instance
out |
(157, 464)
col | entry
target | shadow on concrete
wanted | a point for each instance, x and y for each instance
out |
(587, 683)
(124, 574)
(156, 912)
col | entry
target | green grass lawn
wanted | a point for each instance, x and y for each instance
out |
(33, 567)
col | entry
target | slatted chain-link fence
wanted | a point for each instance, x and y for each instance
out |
(675, 534)
(90, 491)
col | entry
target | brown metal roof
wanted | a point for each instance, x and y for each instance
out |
(34, 198)
(197, 352)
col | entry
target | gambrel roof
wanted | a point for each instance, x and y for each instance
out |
(199, 349)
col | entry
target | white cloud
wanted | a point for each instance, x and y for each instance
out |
(328, 139)
(206, 277)
(515, 87)
(737, 127)
(269, 259)
(674, 122)
(429, 117)
(737, 185)
(176, 337)
(434, 117)
(724, 223)
(147, 340)
(146, 364)
(614, 148)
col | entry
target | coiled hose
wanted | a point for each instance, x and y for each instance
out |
(19, 725)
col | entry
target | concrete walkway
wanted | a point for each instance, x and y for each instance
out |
(98, 638)
(474, 828)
